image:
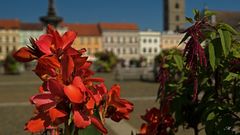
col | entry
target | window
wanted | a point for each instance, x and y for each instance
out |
(89, 50)
(155, 40)
(177, 18)
(155, 50)
(144, 50)
(81, 40)
(131, 40)
(14, 39)
(150, 40)
(124, 50)
(111, 40)
(96, 40)
(144, 40)
(0, 49)
(124, 40)
(118, 50)
(150, 50)
(7, 39)
(177, 5)
(131, 50)
(7, 49)
(177, 28)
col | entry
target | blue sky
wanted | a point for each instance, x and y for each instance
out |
(146, 13)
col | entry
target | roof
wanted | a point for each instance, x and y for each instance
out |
(31, 26)
(9, 24)
(118, 26)
(230, 17)
(84, 29)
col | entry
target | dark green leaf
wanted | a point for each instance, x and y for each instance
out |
(179, 61)
(228, 28)
(225, 41)
(184, 38)
(208, 13)
(211, 55)
(211, 116)
(189, 19)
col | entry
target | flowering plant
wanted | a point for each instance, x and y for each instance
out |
(199, 86)
(69, 94)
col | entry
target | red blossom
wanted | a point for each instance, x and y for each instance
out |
(68, 92)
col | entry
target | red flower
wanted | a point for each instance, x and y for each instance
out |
(157, 123)
(69, 93)
(117, 108)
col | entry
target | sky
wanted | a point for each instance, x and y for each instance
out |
(148, 14)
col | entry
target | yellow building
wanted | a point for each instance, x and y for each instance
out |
(9, 37)
(88, 36)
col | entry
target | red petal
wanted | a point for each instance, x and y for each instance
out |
(80, 120)
(43, 101)
(56, 37)
(55, 113)
(67, 67)
(36, 124)
(99, 125)
(68, 38)
(77, 81)
(73, 93)
(56, 88)
(24, 55)
(44, 43)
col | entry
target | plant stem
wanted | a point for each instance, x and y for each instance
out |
(66, 129)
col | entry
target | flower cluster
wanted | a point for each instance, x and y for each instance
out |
(158, 121)
(69, 93)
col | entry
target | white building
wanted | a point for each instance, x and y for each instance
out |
(150, 42)
(122, 39)
(171, 40)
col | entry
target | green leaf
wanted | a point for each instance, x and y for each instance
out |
(228, 28)
(211, 52)
(184, 38)
(226, 40)
(208, 13)
(90, 130)
(211, 116)
(232, 76)
(179, 61)
(189, 19)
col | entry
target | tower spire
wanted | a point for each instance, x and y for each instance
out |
(51, 17)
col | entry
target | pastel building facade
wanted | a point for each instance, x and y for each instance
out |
(171, 40)
(150, 42)
(88, 36)
(9, 37)
(122, 39)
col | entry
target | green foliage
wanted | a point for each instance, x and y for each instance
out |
(106, 61)
(11, 66)
(217, 107)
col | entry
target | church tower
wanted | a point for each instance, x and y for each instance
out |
(174, 15)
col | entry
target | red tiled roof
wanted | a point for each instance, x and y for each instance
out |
(31, 26)
(9, 24)
(118, 26)
(84, 29)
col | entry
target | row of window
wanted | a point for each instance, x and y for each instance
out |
(7, 49)
(121, 40)
(150, 40)
(89, 40)
(171, 41)
(124, 50)
(92, 50)
(150, 50)
(8, 39)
